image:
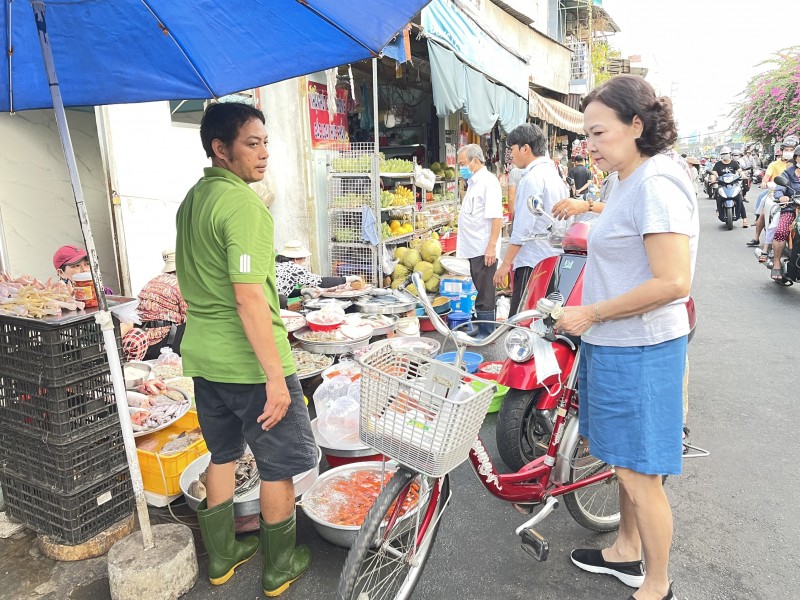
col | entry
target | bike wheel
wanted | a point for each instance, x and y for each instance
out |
(595, 507)
(386, 562)
(522, 432)
(729, 218)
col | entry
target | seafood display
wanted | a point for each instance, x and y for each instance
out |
(337, 336)
(247, 478)
(318, 303)
(344, 500)
(185, 384)
(26, 296)
(309, 363)
(177, 444)
(347, 290)
(292, 320)
(154, 406)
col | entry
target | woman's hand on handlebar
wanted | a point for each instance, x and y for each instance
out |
(576, 320)
(569, 207)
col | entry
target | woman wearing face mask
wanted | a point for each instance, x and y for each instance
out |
(634, 324)
(70, 260)
(292, 273)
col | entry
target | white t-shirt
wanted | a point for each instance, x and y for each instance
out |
(656, 198)
(482, 203)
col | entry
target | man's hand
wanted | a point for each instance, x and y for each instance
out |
(278, 400)
(490, 255)
(501, 274)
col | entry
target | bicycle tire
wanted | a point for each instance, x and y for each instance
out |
(364, 559)
(581, 502)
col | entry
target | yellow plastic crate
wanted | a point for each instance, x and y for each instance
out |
(157, 469)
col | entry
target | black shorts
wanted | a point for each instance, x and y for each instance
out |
(228, 414)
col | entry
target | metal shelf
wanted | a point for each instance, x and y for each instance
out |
(399, 208)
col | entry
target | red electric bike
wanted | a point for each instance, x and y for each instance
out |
(415, 411)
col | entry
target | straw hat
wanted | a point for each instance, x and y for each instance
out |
(294, 249)
(169, 261)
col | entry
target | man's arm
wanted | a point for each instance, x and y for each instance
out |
(254, 311)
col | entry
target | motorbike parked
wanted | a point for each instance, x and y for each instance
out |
(789, 261)
(729, 190)
(526, 418)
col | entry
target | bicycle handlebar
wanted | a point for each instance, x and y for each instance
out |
(459, 336)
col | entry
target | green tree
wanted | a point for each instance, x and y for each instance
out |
(768, 110)
(601, 53)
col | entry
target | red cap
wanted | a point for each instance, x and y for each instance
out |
(67, 255)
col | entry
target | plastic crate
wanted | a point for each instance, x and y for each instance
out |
(448, 242)
(156, 468)
(69, 519)
(58, 414)
(68, 467)
(52, 354)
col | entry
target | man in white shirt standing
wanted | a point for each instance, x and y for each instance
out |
(529, 152)
(479, 223)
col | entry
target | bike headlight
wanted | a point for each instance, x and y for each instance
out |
(519, 345)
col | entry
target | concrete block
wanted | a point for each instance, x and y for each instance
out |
(165, 572)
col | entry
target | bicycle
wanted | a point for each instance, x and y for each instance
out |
(437, 431)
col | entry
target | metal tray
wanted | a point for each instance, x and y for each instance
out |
(382, 330)
(375, 307)
(347, 294)
(316, 371)
(186, 407)
(70, 316)
(334, 348)
(317, 303)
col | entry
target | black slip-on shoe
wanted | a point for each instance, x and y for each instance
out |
(753, 243)
(669, 596)
(629, 573)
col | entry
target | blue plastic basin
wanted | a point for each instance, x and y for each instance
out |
(471, 360)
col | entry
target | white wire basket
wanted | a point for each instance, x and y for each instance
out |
(423, 413)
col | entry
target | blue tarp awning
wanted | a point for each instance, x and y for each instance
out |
(120, 51)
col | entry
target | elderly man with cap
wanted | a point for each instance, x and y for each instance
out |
(292, 272)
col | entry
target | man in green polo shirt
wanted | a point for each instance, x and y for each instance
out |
(236, 349)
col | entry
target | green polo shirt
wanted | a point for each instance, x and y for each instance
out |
(225, 236)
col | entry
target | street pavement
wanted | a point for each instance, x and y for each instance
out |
(737, 532)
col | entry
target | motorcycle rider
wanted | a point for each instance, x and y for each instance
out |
(788, 214)
(747, 171)
(783, 156)
(726, 165)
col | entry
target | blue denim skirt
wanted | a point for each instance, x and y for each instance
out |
(631, 405)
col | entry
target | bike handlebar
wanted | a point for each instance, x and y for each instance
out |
(459, 336)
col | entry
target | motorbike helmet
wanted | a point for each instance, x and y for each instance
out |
(796, 153)
(725, 150)
(790, 141)
(736, 153)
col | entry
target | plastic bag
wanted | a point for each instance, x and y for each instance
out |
(168, 365)
(328, 391)
(544, 356)
(339, 425)
(354, 391)
(168, 357)
(503, 308)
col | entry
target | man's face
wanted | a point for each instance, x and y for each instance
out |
(725, 158)
(463, 161)
(247, 155)
(521, 155)
(68, 271)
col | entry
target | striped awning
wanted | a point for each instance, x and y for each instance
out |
(554, 112)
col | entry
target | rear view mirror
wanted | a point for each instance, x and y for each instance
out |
(536, 205)
(781, 180)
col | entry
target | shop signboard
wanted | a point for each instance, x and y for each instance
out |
(327, 130)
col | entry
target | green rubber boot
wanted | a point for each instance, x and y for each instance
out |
(281, 562)
(225, 552)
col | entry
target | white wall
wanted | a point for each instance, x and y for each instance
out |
(37, 207)
(153, 165)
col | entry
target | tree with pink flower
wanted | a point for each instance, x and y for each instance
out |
(770, 106)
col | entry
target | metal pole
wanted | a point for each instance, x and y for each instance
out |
(103, 316)
(376, 170)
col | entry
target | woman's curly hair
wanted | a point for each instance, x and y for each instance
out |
(629, 96)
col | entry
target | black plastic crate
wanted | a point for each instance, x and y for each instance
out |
(65, 468)
(69, 519)
(53, 354)
(58, 414)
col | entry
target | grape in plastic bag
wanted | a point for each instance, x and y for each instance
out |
(339, 425)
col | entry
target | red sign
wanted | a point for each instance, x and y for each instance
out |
(327, 131)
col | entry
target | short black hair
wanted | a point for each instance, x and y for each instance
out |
(223, 120)
(579, 159)
(630, 96)
(529, 134)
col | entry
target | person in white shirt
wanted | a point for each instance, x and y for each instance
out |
(479, 223)
(528, 151)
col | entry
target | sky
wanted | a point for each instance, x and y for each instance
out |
(704, 50)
